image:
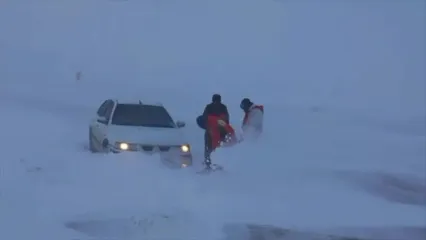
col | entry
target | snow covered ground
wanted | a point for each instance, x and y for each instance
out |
(343, 151)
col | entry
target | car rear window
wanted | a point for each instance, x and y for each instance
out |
(142, 115)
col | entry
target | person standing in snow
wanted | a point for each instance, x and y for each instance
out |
(215, 122)
(253, 118)
(216, 108)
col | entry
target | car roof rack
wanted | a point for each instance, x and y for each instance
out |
(139, 102)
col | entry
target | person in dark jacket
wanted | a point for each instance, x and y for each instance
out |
(215, 122)
(216, 108)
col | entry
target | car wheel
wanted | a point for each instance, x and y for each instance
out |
(91, 145)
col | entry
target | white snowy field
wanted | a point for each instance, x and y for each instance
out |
(344, 147)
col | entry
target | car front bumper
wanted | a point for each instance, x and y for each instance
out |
(174, 156)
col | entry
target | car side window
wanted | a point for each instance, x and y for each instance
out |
(109, 108)
(102, 109)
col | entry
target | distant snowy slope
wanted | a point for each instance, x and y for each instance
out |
(363, 55)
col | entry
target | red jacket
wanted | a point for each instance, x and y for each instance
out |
(214, 126)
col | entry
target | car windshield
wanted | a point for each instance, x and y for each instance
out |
(142, 115)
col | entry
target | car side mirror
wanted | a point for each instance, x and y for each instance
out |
(180, 124)
(102, 120)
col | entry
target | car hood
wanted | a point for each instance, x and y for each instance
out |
(146, 135)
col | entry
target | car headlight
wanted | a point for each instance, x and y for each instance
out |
(185, 148)
(124, 146)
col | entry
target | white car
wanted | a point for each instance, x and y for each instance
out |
(135, 126)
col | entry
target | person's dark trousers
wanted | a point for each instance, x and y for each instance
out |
(207, 148)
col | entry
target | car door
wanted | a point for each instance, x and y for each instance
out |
(97, 127)
(103, 126)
